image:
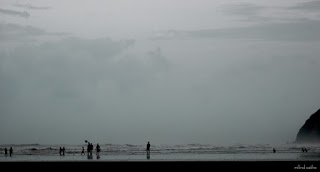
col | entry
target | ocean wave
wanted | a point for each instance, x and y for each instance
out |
(37, 149)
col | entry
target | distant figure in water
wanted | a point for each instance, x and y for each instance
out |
(10, 151)
(82, 151)
(5, 151)
(91, 148)
(304, 149)
(88, 148)
(63, 150)
(148, 148)
(60, 151)
(274, 150)
(98, 148)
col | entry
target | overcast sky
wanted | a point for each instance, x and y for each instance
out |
(165, 71)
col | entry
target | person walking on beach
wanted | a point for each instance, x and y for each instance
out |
(274, 150)
(98, 148)
(148, 148)
(5, 151)
(10, 151)
(82, 151)
(63, 150)
(88, 148)
(60, 151)
(91, 148)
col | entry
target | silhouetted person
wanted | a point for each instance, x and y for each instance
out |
(10, 151)
(82, 151)
(88, 148)
(91, 148)
(302, 149)
(274, 150)
(148, 148)
(63, 150)
(5, 151)
(60, 151)
(98, 148)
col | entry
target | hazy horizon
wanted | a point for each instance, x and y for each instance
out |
(168, 72)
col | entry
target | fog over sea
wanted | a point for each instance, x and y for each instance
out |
(206, 81)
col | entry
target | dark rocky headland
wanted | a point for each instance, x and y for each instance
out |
(310, 131)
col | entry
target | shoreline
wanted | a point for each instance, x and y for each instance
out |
(164, 165)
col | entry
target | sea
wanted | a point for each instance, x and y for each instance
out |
(183, 152)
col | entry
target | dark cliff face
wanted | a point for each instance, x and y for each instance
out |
(310, 131)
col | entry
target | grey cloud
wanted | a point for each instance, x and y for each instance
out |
(244, 9)
(61, 64)
(127, 91)
(15, 13)
(71, 85)
(16, 32)
(133, 71)
(98, 48)
(7, 29)
(31, 7)
(249, 12)
(75, 78)
(307, 6)
(68, 67)
(301, 30)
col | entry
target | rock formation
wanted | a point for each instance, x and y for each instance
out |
(310, 131)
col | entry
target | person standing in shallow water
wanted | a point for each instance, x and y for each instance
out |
(82, 151)
(5, 151)
(10, 151)
(88, 149)
(98, 148)
(148, 148)
(63, 149)
(91, 149)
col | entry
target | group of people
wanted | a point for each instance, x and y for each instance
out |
(98, 149)
(304, 149)
(90, 149)
(6, 151)
(62, 150)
